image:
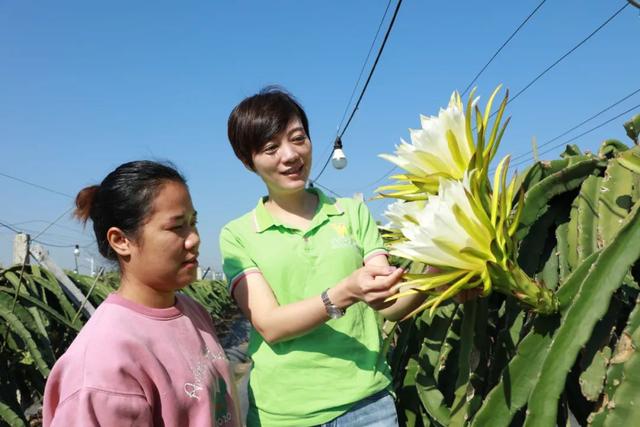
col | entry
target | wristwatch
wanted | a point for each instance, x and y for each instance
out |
(333, 311)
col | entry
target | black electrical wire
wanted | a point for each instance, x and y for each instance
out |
(502, 47)
(15, 230)
(373, 68)
(53, 245)
(476, 76)
(48, 233)
(10, 227)
(635, 107)
(52, 223)
(578, 125)
(46, 222)
(521, 155)
(382, 177)
(364, 64)
(364, 88)
(36, 185)
(549, 68)
(573, 49)
(328, 189)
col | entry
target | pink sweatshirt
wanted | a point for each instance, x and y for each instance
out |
(133, 365)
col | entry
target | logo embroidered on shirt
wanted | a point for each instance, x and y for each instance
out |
(340, 229)
(343, 242)
(343, 238)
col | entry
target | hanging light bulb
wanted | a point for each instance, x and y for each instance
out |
(76, 254)
(338, 159)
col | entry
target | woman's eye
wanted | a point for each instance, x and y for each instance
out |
(271, 149)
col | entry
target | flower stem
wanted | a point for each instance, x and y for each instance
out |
(517, 283)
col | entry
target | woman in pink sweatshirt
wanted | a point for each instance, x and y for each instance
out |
(148, 356)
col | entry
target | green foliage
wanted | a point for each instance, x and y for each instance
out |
(492, 362)
(215, 297)
(633, 128)
(38, 322)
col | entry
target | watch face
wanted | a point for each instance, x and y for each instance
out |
(334, 312)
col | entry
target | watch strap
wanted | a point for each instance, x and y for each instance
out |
(332, 310)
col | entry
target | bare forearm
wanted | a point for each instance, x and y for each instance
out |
(276, 323)
(285, 322)
(292, 320)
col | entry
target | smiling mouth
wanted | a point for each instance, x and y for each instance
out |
(294, 171)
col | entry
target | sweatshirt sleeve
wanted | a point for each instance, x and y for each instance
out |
(92, 407)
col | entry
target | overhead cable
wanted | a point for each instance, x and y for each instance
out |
(37, 240)
(36, 185)
(502, 47)
(533, 12)
(364, 64)
(373, 68)
(366, 84)
(635, 107)
(326, 188)
(579, 124)
(573, 49)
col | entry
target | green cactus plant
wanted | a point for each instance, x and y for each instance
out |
(633, 128)
(578, 235)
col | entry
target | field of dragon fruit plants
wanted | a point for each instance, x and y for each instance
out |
(552, 253)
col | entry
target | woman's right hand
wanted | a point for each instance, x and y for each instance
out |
(372, 284)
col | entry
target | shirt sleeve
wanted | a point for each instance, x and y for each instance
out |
(92, 407)
(236, 262)
(370, 239)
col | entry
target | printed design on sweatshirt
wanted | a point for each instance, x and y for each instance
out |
(203, 367)
(219, 403)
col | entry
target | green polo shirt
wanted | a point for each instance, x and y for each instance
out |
(316, 377)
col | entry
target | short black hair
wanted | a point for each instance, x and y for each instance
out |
(258, 118)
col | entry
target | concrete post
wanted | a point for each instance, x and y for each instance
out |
(69, 288)
(21, 248)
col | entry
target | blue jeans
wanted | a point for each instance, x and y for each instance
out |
(377, 410)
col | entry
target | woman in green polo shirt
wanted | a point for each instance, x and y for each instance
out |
(309, 272)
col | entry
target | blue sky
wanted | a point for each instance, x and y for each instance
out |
(85, 86)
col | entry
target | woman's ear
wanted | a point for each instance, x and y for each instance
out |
(119, 241)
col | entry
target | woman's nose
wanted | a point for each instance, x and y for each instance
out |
(193, 240)
(289, 153)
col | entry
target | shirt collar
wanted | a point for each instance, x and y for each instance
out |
(327, 206)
